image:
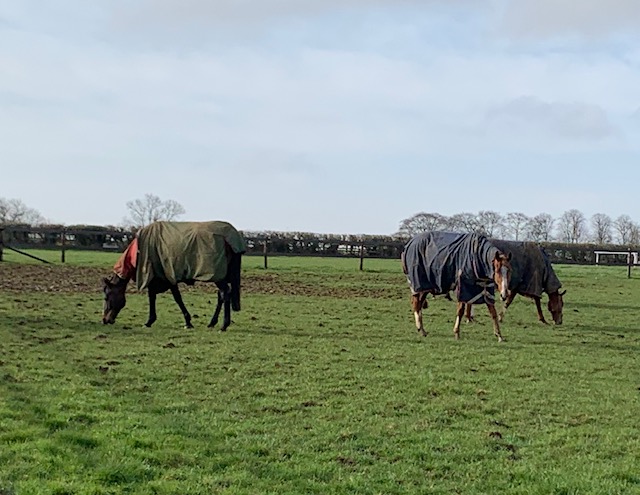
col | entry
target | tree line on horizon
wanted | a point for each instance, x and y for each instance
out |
(142, 211)
(572, 227)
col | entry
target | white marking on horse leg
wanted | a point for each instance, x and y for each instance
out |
(418, 317)
(456, 328)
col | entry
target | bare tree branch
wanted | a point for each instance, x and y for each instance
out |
(15, 211)
(422, 222)
(601, 228)
(515, 225)
(152, 209)
(572, 226)
(540, 228)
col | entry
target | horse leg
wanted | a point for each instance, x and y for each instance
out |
(152, 308)
(539, 309)
(227, 310)
(418, 302)
(459, 313)
(512, 295)
(496, 325)
(177, 297)
(216, 313)
(469, 313)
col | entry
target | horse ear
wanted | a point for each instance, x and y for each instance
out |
(500, 254)
(563, 292)
(105, 282)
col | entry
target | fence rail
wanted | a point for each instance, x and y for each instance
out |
(279, 244)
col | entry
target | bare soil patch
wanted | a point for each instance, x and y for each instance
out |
(76, 279)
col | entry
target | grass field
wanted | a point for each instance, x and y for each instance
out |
(320, 386)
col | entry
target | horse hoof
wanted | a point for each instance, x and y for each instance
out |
(188, 326)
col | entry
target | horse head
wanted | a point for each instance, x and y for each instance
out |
(114, 289)
(555, 305)
(502, 272)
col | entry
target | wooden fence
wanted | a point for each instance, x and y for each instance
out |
(19, 237)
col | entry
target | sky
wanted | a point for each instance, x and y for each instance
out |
(320, 116)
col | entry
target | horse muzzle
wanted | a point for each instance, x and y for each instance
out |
(108, 319)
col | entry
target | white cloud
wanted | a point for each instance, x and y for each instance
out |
(530, 115)
(221, 12)
(587, 18)
(431, 92)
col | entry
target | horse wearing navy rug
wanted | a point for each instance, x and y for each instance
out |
(468, 264)
(166, 253)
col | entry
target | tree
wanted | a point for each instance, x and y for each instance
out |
(601, 228)
(515, 225)
(634, 238)
(422, 222)
(624, 228)
(490, 223)
(152, 209)
(464, 222)
(572, 226)
(540, 227)
(15, 211)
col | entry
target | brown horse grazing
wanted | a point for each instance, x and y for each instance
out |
(437, 262)
(531, 275)
(166, 253)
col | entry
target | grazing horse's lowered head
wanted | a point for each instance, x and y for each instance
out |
(502, 273)
(114, 289)
(555, 306)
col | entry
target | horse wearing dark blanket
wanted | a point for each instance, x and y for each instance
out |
(166, 253)
(438, 262)
(531, 275)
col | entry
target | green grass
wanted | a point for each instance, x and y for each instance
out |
(321, 394)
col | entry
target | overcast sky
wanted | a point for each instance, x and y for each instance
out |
(335, 116)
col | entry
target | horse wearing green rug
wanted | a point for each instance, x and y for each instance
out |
(166, 253)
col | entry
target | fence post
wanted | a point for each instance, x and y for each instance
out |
(264, 252)
(1, 242)
(63, 238)
(629, 263)
(361, 255)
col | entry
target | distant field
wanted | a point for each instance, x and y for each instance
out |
(321, 386)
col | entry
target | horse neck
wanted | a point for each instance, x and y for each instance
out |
(125, 267)
(117, 280)
(488, 255)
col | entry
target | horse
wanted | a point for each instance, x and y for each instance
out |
(531, 275)
(166, 253)
(438, 262)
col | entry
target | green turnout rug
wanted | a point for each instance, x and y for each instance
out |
(185, 251)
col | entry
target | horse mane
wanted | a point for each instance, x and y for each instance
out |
(125, 267)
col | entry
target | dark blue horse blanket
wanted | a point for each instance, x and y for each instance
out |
(438, 262)
(531, 270)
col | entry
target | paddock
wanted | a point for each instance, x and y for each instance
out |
(321, 385)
